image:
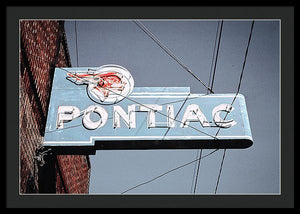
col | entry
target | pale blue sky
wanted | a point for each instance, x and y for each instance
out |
(255, 170)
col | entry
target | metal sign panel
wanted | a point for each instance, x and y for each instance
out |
(80, 120)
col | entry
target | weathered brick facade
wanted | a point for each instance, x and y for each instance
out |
(43, 47)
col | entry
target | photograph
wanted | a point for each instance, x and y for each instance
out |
(150, 107)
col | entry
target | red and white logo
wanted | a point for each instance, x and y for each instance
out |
(107, 84)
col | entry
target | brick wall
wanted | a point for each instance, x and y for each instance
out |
(43, 47)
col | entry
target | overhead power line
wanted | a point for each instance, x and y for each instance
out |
(213, 68)
(217, 54)
(197, 174)
(238, 90)
(76, 43)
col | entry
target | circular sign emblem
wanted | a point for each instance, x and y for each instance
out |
(107, 84)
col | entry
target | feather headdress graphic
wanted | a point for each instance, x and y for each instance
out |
(107, 84)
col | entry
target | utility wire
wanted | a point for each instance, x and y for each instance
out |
(213, 57)
(199, 161)
(216, 59)
(213, 68)
(163, 174)
(76, 43)
(169, 52)
(244, 63)
(238, 89)
(221, 167)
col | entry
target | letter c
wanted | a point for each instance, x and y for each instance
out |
(218, 120)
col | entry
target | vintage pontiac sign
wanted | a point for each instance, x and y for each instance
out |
(99, 108)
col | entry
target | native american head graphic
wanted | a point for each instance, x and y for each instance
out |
(107, 84)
